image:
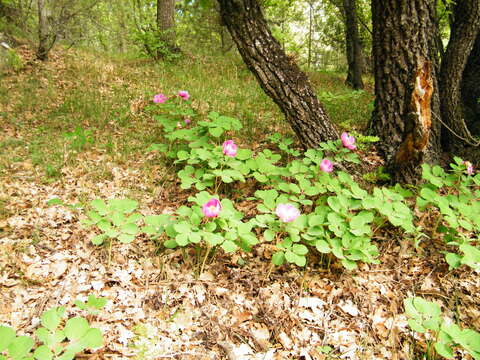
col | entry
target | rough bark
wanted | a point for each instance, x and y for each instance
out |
(166, 25)
(278, 76)
(464, 30)
(471, 89)
(43, 38)
(353, 46)
(404, 69)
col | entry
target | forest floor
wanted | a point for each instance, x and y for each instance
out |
(159, 306)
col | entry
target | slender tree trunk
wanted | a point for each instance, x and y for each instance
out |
(464, 30)
(353, 46)
(279, 77)
(166, 25)
(405, 85)
(471, 88)
(310, 33)
(42, 50)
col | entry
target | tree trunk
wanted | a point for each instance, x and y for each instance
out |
(42, 50)
(279, 76)
(405, 85)
(471, 89)
(166, 26)
(353, 46)
(464, 30)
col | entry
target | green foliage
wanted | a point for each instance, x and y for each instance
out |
(93, 304)
(339, 215)
(425, 316)
(455, 196)
(115, 219)
(55, 341)
(79, 139)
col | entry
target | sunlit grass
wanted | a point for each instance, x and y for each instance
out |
(107, 96)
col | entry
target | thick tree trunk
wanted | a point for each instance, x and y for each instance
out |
(403, 51)
(42, 50)
(464, 30)
(471, 89)
(278, 76)
(353, 46)
(166, 26)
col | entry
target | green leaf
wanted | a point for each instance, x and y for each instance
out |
(216, 131)
(278, 258)
(51, 319)
(99, 239)
(50, 338)
(453, 260)
(299, 249)
(7, 334)
(76, 327)
(100, 206)
(416, 326)
(130, 228)
(183, 227)
(97, 303)
(92, 339)
(55, 201)
(229, 246)
(20, 347)
(443, 350)
(349, 264)
(43, 353)
(182, 239)
(126, 238)
(322, 246)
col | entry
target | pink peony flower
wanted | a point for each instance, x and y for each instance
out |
(159, 99)
(211, 208)
(287, 212)
(469, 167)
(187, 121)
(230, 148)
(326, 165)
(348, 141)
(184, 94)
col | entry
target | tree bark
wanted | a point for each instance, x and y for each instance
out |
(43, 47)
(405, 85)
(166, 26)
(470, 89)
(464, 30)
(279, 76)
(353, 46)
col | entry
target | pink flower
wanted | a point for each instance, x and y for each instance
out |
(287, 212)
(184, 94)
(187, 121)
(159, 99)
(230, 148)
(326, 165)
(348, 141)
(211, 208)
(469, 167)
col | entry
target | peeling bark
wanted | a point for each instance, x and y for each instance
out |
(403, 43)
(278, 75)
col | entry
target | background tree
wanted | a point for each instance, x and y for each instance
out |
(278, 76)
(57, 19)
(470, 88)
(166, 27)
(353, 46)
(464, 29)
